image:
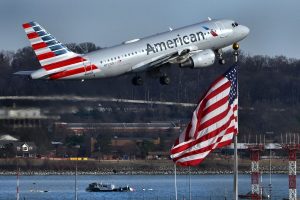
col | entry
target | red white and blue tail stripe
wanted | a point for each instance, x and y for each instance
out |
(55, 58)
(46, 47)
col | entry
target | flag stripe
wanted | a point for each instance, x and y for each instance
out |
(214, 109)
(213, 124)
(223, 124)
(203, 104)
(201, 139)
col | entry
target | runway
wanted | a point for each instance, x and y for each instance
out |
(94, 99)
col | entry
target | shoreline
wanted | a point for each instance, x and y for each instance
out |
(83, 173)
(131, 167)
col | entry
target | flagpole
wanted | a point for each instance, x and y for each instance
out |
(190, 192)
(175, 181)
(18, 183)
(235, 169)
(236, 189)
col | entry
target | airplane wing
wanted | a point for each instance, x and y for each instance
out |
(174, 57)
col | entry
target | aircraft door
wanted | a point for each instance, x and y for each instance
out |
(221, 29)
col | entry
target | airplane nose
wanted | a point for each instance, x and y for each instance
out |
(244, 31)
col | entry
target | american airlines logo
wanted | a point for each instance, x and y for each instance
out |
(173, 43)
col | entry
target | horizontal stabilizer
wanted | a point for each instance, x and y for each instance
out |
(24, 73)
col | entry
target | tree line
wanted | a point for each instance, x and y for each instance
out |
(269, 87)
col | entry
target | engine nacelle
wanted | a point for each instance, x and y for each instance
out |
(202, 59)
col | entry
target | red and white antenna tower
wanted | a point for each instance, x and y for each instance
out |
(292, 147)
(255, 151)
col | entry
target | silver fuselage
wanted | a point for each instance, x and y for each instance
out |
(135, 56)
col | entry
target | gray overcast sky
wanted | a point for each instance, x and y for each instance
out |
(274, 24)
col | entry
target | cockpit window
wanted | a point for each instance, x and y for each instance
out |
(234, 24)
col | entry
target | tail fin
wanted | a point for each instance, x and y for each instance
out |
(51, 53)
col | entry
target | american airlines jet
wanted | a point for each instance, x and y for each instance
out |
(192, 46)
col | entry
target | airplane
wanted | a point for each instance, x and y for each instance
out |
(193, 46)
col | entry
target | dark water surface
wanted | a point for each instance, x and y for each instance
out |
(146, 186)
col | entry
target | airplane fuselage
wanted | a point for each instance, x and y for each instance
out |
(125, 58)
(173, 46)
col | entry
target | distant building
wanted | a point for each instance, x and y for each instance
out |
(5, 140)
(25, 149)
(23, 117)
(122, 142)
(131, 148)
(6, 146)
(8, 138)
(11, 147)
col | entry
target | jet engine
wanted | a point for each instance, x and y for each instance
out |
(202, 59)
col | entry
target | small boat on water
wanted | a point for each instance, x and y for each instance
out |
(249, 196)
(102, 187)
(32, 190)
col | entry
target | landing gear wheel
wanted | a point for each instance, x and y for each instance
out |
(219, 53)
(222, 62)
(164, 80)
(137, 80)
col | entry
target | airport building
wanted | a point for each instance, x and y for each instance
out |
(24, 117)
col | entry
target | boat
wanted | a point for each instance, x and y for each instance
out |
(32, 190)
(249, 196)
(102, 187)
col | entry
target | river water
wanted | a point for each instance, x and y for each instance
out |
(147, 187)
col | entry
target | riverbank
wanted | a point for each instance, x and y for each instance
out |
(129, 167)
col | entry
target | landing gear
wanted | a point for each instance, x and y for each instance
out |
(137, 80)
(222, 61)
(164, 80)
(220, 56)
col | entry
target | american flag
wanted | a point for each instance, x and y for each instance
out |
(213, 124)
